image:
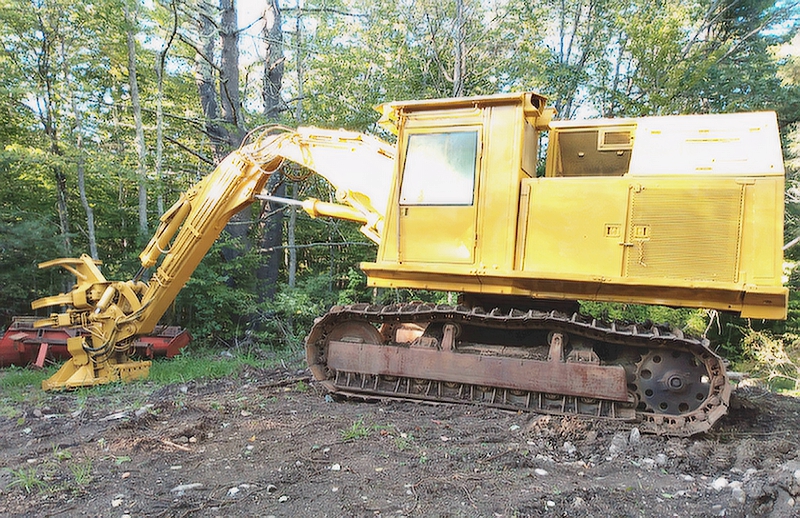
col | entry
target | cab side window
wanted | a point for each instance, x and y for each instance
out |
(440, 168)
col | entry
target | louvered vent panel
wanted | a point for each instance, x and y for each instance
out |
(616, 140)
(694, 239)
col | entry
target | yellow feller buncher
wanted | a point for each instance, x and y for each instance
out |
(678, 210)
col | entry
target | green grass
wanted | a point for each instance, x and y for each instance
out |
(403, 441)
(190, 366)
(358, 430)
(61, 455)
(19, 384)
(82, 472)
(195, 364)
(15, 377)
(27, 479)
(207, 363)
(9, 412)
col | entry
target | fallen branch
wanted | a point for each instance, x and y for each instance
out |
(178, 446)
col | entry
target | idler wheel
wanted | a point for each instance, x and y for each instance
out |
(354, 331)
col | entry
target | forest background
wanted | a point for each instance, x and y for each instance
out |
(110, 108)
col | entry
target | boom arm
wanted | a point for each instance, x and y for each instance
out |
(114, 312)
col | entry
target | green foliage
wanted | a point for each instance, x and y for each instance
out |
(285, 320)
(355, 289)
(357, 430)
(774, 359)
(396, 296)
(82, 471)
(219, 300)
(791, 147)
(25, 241)
(27, 479)
(692, 321)
(27, 234)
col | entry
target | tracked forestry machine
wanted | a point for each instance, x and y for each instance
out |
(679, 211)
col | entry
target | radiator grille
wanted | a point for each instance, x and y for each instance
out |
(696, 238)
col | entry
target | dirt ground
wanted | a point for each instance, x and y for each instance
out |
(272, 444)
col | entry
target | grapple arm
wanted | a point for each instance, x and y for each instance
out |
(115, 312)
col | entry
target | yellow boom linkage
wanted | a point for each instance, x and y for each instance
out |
(114, 312)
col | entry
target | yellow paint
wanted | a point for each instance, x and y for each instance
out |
(681, 211)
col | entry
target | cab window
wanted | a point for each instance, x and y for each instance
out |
(440, 168)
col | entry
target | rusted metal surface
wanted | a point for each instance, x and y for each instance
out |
(552, 377)
(23, 344)
(592, 368)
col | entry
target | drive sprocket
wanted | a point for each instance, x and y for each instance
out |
(671, 382)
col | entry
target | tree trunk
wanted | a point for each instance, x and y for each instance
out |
(141, 151)
(290, 229)
(157, 166)
(47, 111)
(160, 63)
(239, 225)
(459, 50)
(61, 189)
(90, 230)
(273, 65)
(272, 237)
(272, 231)
(204, 78)
(229, 73)
(290, 238)
(298, 34)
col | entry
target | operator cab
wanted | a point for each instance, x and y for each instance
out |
(459, 169)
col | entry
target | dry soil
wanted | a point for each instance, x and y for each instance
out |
(271, 443)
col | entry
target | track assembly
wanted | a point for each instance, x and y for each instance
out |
(545, 362)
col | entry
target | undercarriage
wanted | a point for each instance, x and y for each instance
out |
(538, 361)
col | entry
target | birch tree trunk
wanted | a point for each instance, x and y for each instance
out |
(298, 115)
(81, 170)
(141, 151)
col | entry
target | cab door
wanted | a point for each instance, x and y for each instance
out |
(438, 191)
